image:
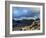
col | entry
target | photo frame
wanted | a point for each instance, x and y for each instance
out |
(24, 18)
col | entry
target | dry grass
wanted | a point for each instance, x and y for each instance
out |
(34, 26)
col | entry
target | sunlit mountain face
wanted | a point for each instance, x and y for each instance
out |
(19, 13)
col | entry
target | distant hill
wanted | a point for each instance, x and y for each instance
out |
(23, 22)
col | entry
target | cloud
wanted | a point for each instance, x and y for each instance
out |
(25, 12)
